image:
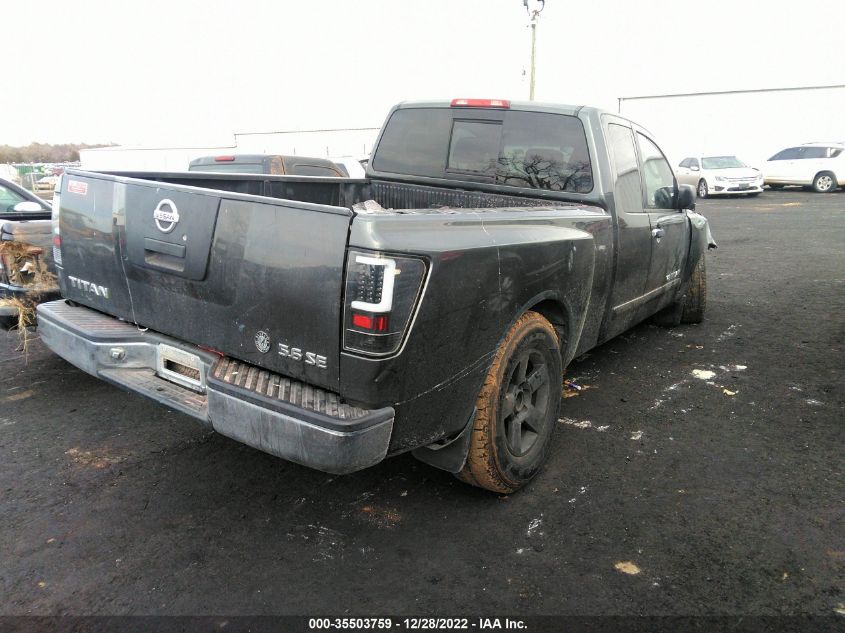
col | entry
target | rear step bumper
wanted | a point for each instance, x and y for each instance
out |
(278, 415)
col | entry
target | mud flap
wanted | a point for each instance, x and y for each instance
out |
(450, 454)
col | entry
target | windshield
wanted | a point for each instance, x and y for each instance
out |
(721, 162)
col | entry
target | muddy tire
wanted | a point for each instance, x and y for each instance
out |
(517, 408)
(695, 299)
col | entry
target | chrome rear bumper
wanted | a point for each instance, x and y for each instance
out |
(275, 414)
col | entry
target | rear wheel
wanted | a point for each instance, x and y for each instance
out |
(517, 408)
(703, 191)
(824, 182)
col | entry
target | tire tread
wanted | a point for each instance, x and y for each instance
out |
(481, 467)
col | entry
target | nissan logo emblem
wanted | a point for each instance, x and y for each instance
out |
(166, 215)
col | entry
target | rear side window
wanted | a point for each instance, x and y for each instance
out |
(627, 189)
(657, 175)
(815, 152)
(521, 149)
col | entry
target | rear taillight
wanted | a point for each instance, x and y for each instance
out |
(381, 296)
(57, 238)
(224, 159)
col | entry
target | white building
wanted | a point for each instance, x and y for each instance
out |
(751, 124)
(335, 144)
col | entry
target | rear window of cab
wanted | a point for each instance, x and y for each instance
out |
(535, 150)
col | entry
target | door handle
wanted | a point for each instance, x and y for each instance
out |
(657, 233)
(166, 248)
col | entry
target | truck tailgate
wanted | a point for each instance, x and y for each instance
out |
(240, 274)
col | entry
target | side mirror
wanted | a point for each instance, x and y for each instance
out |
(27, 206)
(695, 168)
(686, 197)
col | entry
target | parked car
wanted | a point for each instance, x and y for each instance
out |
(817, 165)
(268, 164)
(431, 307)
(26, 264)
(19, 203)
(719, 175)
(46, 182)
(45, 186)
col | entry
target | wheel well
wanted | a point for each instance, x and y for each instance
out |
(824, 171)
(556, 314)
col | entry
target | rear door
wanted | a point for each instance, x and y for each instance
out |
(814, 160)
(240, 274)
(633, 228)
(669, 227)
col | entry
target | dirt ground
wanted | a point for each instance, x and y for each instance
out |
(700, 474)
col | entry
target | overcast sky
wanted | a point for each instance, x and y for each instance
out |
(181, 71)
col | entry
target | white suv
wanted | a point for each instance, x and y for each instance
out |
(817, 165)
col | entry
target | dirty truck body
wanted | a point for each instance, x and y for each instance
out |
(287, 315)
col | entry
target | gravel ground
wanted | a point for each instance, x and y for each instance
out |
(667, 492)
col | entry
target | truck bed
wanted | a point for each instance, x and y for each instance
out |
(391, 195)
(245, 255)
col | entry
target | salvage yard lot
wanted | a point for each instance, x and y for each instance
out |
(700, 473)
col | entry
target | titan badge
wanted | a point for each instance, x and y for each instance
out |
(88, 287)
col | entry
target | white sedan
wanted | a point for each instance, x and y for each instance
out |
(719, 175)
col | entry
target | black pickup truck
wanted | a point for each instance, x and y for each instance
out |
(430, 307)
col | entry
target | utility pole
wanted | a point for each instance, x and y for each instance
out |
(533, 15)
